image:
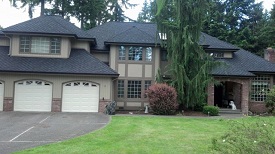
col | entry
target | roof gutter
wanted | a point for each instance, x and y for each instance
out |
(58, 73)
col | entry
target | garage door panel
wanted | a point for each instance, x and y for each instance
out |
(80, 97)
(33, 96)
(1, 95)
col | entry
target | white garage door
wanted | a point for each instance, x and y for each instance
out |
(80, 97)
(33, 95)
(1, 95)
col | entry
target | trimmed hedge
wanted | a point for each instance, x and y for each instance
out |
(211, 110)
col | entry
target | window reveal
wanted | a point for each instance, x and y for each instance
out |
(148, 54)
(135, 53)
(120, 88)
(44, 45)
(146, 86)
(134, 89)
(122, 53)
(260, 85)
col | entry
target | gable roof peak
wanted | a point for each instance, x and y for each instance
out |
(48, 24)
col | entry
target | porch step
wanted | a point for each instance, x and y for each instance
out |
(229, 111)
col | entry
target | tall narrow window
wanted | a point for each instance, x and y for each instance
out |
(135, 53)
(260, 85)
(164, 55)
(148, 54)
(134, 89)
(147, 84)
(120, 88)
(122, 53)
(24, 44)
(55, 45)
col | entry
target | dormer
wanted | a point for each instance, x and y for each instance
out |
(216, 48)
(46, 36)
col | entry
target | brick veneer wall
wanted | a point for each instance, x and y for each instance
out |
(245, 82)
(56, 105)
(102, 104)
(8, 104)
(257, 107)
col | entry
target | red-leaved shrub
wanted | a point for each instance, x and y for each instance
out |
(162, 99)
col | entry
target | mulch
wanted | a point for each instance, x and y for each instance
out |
(141, 112)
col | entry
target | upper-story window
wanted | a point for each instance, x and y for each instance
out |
(122, 53)
(134, 53)
(44, 45)
(148, 54)
(217, 54)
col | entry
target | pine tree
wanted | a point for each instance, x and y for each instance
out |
(31, 4)
(190, 65)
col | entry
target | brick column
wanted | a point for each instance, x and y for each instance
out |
(56, 105)
(245, 96)
(102, 104)
(8, 104)
(210, 94)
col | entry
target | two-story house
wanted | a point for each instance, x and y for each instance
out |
(133, 50)
(48, 64)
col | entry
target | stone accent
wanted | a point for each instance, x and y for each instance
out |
(257, 107)
(8, 104)
(56, 105)
(102, 104)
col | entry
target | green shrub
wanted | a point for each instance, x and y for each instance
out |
(199, 106)
(211, 110)
(270, 101)
(246, 138)
(162, 99)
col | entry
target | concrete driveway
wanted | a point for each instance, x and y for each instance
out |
(22, 130)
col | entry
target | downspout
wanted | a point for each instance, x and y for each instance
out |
(9, 45)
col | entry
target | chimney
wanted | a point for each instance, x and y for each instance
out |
(269, 55)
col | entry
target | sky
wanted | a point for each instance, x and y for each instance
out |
(10, 16)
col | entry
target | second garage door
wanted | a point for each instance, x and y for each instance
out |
(32, 95)
(80, 96)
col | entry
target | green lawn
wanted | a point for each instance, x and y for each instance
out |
(142, 134)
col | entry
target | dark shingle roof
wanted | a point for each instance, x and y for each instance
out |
(215, 43)
(125, 32)
(142, 33)
(48, 25)
(79, 62)
(132, 35)
(244, 63)
(1, 33)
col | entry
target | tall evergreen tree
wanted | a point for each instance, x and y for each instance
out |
(146, 14)
(30, 4)
(267, 31)
(86, 12)
(61, 7)
(190, 65)
(237, 22)
(116, 9)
